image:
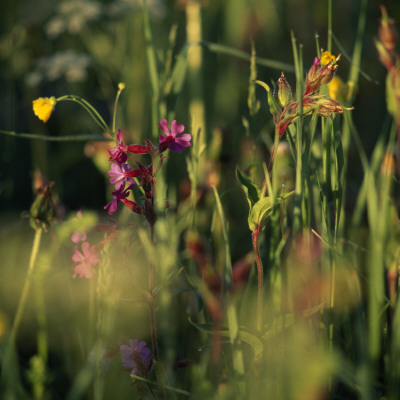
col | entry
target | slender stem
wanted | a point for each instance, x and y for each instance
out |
(27, 284)
(152, 304)
(88, 107)
(121, 88)
(69, 138)
(329, 45)
(255, 235)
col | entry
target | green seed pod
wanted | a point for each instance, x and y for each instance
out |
(283, 92)
(42, 210)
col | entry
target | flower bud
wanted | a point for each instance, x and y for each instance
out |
(312, 76)
(320, 76)
(283, 92)
(42, 210)
(327, 71)
(387, 31)
(386, 59)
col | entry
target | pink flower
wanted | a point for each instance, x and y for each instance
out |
(85, 260)
(171, 140)
(118, 195)
(118, 153)
(136, 357)
(120, 175)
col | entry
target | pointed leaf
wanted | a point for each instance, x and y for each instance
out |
(250, 189)
(263, 209)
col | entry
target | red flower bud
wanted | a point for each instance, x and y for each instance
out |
(137, 149)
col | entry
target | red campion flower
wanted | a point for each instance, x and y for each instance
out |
(85, 260)
(171, 140)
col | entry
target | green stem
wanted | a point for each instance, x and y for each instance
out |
(120, 89)
(255, 236)
(152, 64)
(329, 47)
(83, 137)
(152, 298)
(27, 284)
(88, 107)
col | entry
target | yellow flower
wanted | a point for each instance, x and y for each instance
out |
(337, 89)
(327, 57)
(121, 86)
(43, 107)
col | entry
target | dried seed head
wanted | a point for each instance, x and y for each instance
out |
(387, 31)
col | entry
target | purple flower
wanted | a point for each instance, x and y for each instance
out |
(119, 176)
(118, 195)
(171, 140)
(85, 260)
(118, 153)
(136, 357)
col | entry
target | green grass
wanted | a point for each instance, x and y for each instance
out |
(247, 278)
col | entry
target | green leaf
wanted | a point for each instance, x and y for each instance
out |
(251, 191)
(244, 335)
(263, 209)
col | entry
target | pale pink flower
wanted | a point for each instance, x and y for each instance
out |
(85, 261)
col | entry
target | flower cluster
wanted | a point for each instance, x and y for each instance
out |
(122, 174)
(285, 111)
(136, 357)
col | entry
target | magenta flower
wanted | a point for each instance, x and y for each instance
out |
(85, 260)
(136, 357)
(171, 140)
(118, 153)
(118, 195)
(120, 177)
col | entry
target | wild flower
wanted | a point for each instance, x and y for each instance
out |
(69, 65)
(136, 357)
(85, 260)
(327, 57)
(313, 101)
(121, 174)
(171, 140)
(43, 107)
(118, 153)
(119, 195)
(320, 75)
(73, 17)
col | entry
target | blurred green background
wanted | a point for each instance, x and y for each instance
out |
(50, 48)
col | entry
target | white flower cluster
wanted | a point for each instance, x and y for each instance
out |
(73, 16)
(70, 64)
